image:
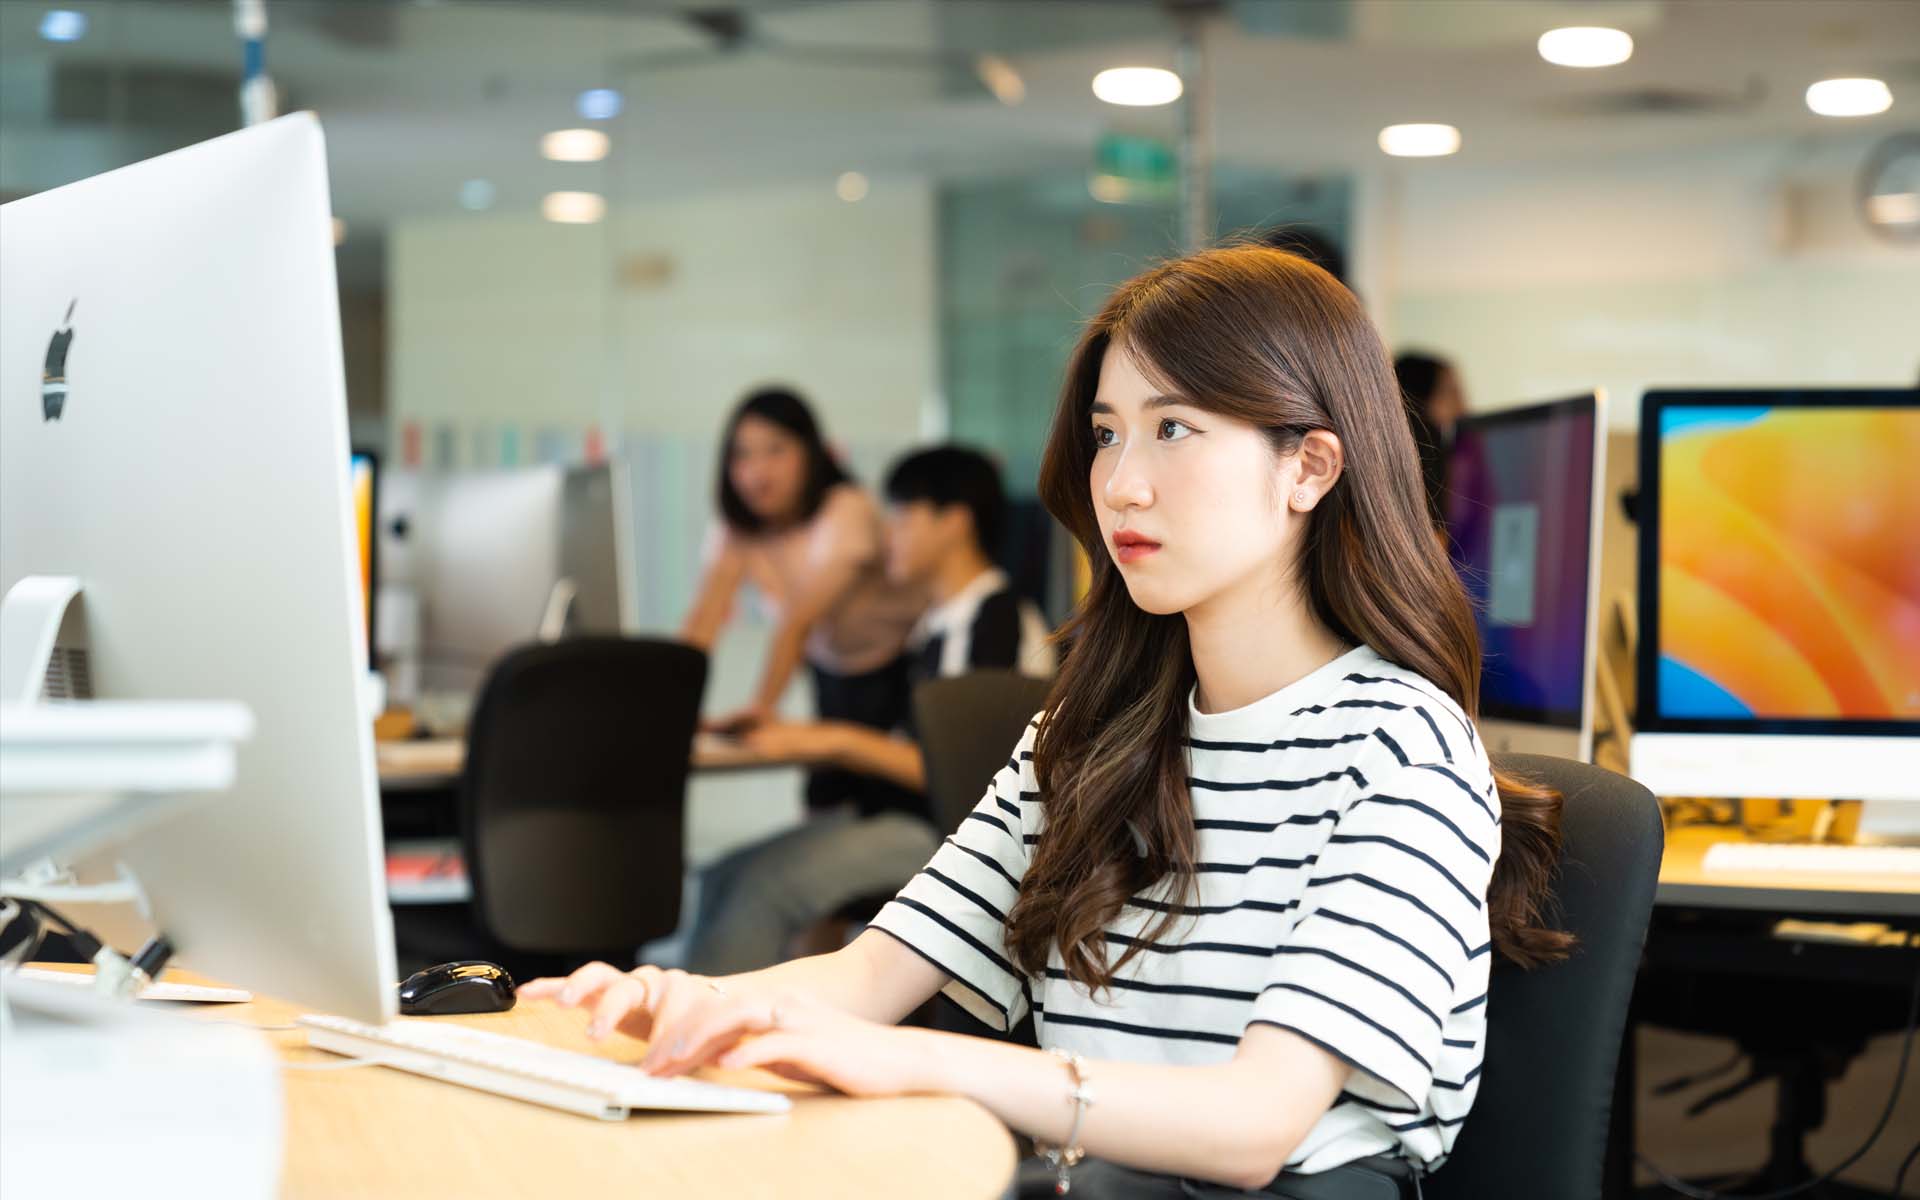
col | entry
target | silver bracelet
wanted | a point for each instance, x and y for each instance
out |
(1068, 1154)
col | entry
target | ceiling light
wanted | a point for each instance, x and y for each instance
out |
(1894, 208)
(573, 208)
(1586, 46)
(1137, 87)
(63, 25)
(476, 195)
(599, 104)
(851, 187)
(1849, 97)
(1419, 141)
(575, 145)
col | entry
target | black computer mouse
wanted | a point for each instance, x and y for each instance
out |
(456, 987)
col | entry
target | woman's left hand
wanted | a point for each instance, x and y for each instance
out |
(815, 1044)
(739, 722)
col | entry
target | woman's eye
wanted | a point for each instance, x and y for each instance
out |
(1172, 430)
(1102, 436)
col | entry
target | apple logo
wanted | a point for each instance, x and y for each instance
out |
(53, 380)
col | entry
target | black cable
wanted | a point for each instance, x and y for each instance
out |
(84, 942)
(1900, 1177)
(1673, 1184)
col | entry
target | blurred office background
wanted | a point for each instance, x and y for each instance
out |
(574, 230)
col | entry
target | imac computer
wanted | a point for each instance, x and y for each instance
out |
(1779, 651)
(483, 561)
(1522, 509)
(173, 437)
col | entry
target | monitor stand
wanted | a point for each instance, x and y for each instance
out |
(42, 626)
(1521, 737)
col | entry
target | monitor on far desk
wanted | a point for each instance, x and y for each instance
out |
(1522, 509)
(475, 563)
(1779, 650)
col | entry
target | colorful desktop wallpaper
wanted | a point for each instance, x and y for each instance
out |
(363, 526)
(1789, 563)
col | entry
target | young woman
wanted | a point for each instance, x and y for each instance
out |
(796, 527)
(1248, 868)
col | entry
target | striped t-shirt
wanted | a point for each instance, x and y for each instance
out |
(1347, 826)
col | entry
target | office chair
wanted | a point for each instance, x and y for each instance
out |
(968, 726)
(1539, 1124)
(572, 806)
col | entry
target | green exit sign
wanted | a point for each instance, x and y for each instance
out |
(1135, 159)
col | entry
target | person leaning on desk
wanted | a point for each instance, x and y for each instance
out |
(809, 540)
(1249, 867)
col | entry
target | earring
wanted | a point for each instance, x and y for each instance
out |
(1300, 497)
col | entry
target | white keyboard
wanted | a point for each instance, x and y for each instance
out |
(1807, 858)
(524, 1070)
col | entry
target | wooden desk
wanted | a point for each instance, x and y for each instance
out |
(437, 762)
(1684, 884)
(377, 1132)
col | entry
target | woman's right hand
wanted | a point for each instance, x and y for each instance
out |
(688, 1020)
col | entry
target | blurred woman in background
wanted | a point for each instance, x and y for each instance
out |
(795, 526)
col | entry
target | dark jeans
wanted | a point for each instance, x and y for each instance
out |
(1380, 1178)
(879, 700)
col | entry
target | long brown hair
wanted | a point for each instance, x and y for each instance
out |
(1264, 337)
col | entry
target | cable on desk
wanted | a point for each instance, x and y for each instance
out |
(1675, 1184)
(1900, 1176)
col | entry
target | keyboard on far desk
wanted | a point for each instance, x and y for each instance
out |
(1808, 858)
(525, 1070)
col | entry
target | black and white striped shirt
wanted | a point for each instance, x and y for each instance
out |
(1348, 826)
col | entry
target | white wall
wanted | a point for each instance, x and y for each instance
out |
(651, 325)
(1721, 268)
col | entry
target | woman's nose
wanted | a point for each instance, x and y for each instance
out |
(1127, 487)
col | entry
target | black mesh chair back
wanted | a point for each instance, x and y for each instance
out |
(968, 726)
(573, 801)
(1539, 1124)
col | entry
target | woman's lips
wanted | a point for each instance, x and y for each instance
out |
(1132, 547)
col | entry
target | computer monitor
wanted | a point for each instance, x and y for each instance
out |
(489, 560)
(192, 479)
(1779, 651)
(1522, 507)
(366, 501)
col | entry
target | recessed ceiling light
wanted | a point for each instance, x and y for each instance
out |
(63, 25)
(1586, 46)
(851, 187)
(1419, 141)
(575, 145)
(573, 208)
(1894, 208)
(599, 104)
(1137, 87)
(476, 195)
(1849, 97)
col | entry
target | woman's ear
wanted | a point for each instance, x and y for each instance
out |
(1320, 460)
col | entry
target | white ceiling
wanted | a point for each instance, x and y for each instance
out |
(418, 97)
